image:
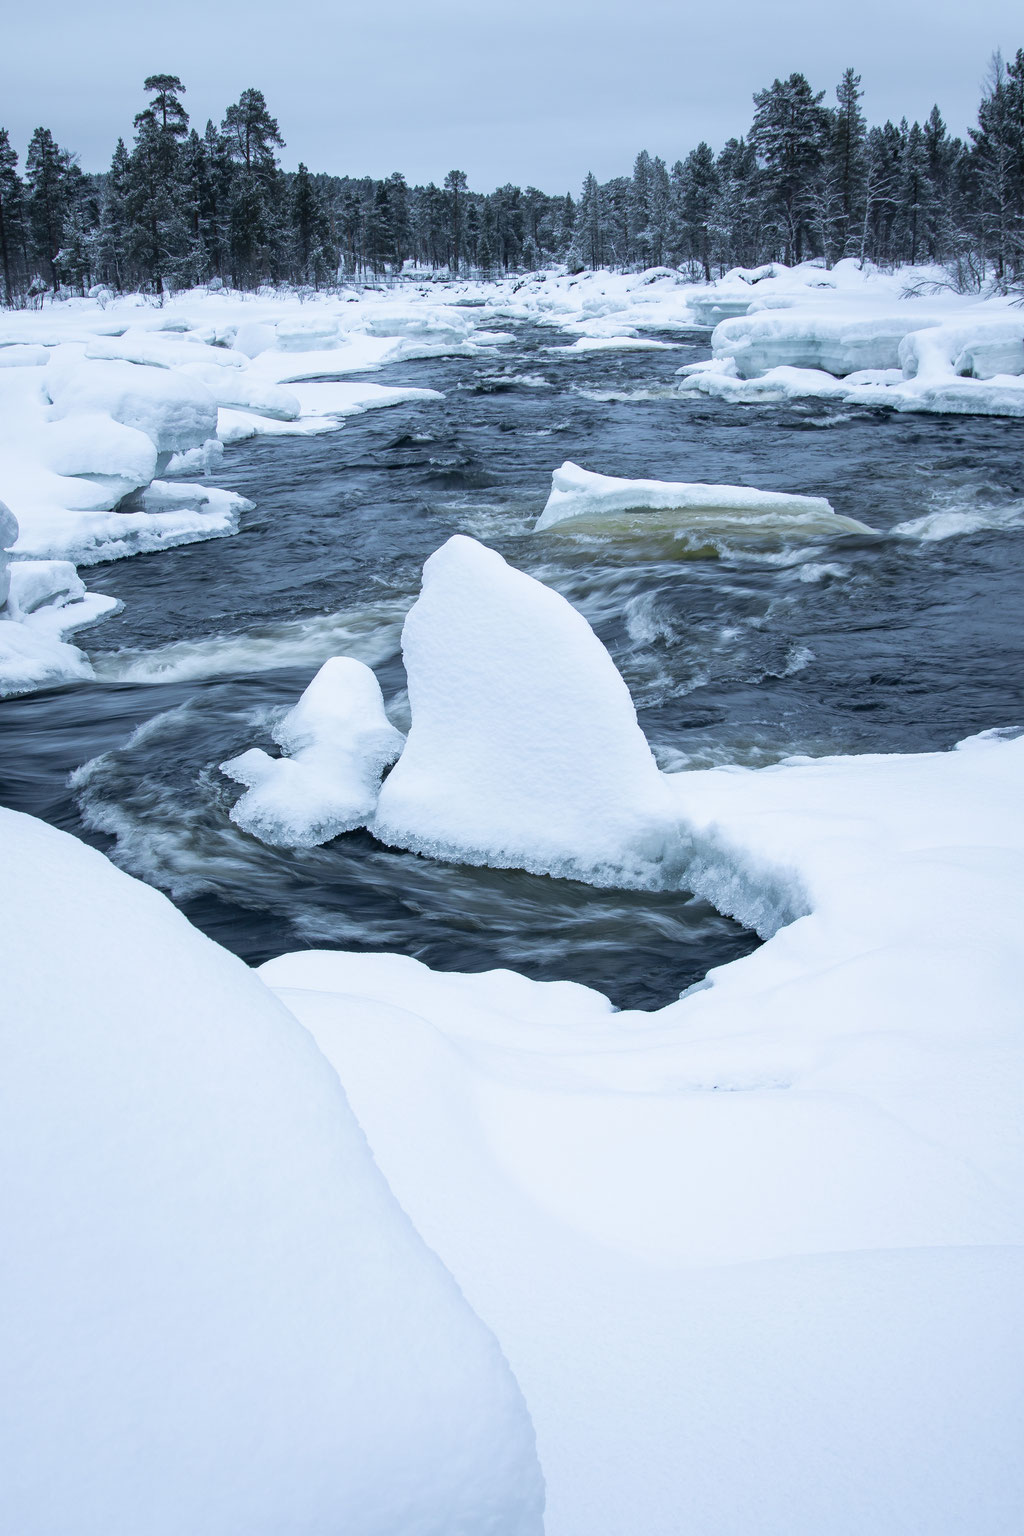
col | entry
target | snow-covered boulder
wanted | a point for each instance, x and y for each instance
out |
(578, 493)
(36, 584)
(46, 601)
(175, 412)
(90, 443)
(23, 355)
(524, 749)
(8, 535)
(813, 338)
(234, 388)
(313, 335)
(216, 1318)
(251, 337)
(337, 741)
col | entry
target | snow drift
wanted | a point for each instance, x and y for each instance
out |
(216, 1318)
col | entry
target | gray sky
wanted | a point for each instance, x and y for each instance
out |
(525, 91)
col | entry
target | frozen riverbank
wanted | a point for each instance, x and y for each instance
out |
(101, 400)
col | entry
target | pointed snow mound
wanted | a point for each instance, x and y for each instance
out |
(524, 749)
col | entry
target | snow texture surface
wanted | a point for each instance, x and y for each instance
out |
(215, 1316)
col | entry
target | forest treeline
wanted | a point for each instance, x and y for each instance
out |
(809, 179)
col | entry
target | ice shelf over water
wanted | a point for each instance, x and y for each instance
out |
(578, 493)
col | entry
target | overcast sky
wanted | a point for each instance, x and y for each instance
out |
(524, 91)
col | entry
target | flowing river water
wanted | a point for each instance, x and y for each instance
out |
(741, 650)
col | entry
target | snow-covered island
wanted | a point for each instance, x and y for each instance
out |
(343, 1243)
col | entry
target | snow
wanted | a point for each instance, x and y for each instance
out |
(216, 1316)
(756, 1255)
(176, 413)
(579, 493)
(615, 344)
(41, 601)
(524, 748)
(99, 396)
(338, 742)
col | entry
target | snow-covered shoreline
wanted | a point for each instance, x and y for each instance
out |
(101, 398)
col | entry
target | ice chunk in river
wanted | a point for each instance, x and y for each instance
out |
(215, 1316)
(577, 493)
(524, 749)
(339, 741)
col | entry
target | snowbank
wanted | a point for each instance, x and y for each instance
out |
(338, 742)
(577, 493)
(870, 343)
(41, 601)
(780, 1216)
(216, 1316)
(99, 396)
(524, 748)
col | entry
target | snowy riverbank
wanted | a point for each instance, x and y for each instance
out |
(108, 407)
(756, 1256)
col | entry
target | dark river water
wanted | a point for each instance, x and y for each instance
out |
(738, 652)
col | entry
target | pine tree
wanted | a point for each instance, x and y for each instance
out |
(589, 223)
(699, 186)
(311, 231)
(847, 160)
(257, 195)
(156, 215)
(998, 155)
(113, 247)
(566, 224)
(12, 220)
(454, 193)
(789, 133)
(47, 201)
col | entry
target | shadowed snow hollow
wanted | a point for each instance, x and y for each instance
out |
(217, 1318)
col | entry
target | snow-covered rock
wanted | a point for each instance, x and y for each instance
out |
(215, 1316)
(90, 443)
(41, 601)
(524, 748)
(8, 535)
(812, 339)
(337, 742)
(175, 412)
